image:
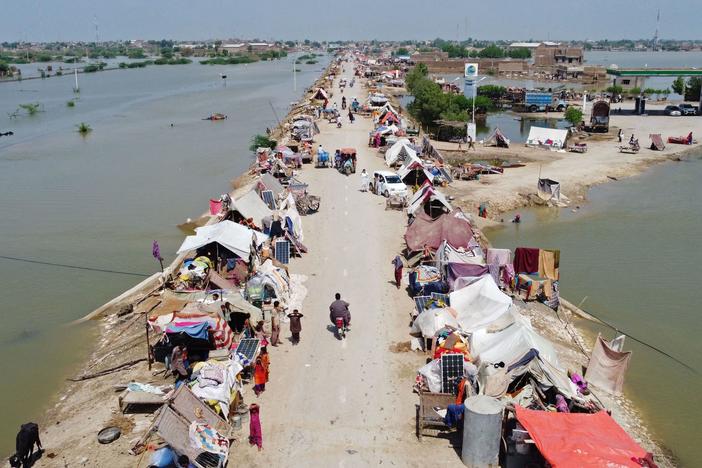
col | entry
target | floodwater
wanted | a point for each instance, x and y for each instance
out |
(632, 253)
(100, 201)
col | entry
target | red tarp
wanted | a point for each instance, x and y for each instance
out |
(215, 206)
(579, 439)
(425, 231)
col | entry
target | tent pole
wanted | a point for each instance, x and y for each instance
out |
(148, 346)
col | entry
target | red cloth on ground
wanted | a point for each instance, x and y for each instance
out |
(526, 260)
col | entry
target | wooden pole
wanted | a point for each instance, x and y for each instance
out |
(148, 346)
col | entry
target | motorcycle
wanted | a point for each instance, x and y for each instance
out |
(341, 329)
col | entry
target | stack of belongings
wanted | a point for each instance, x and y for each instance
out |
(268, 283)
(537, 274)
(430, 200)
(303, 128)
(376, 100)
(289, 157)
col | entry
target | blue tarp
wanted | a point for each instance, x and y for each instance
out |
(197, 331)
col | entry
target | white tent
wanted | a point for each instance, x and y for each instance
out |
(479, 304)
(427, 191)
(432, 320)
(511, 343)
(547, 137)
(228, 234)
(399, 151)
(251, 206)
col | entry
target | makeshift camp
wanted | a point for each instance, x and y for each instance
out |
(549, 189)
(426, 230)
(251, 206)
(656, 142)
(235, 237)
(413, 173)
(498, 139)
(431, 200)
(431, 321)
(580, 439)
(469, 271)
(554, 138)
(607, 367)
(479, 304)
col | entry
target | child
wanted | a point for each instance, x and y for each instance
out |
(255, 434)
(295, 325)
(261, 372)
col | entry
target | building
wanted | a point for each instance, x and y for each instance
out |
(549, 54)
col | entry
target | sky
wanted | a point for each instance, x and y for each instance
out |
(66, 20)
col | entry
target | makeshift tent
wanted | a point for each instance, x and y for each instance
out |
(251, 206)
(425, 230)
(580, 439)
(548, 137)
(388, 118)
(399, 152)
(414, 173)
(479, 303)
(434, 202)
(455, 271)
(549, 189)
(497, 138)
(271, 183)
(607, 367)
(656, 142)
(233, 236)
(320, 94)
(432, 320)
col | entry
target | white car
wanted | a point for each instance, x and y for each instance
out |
(388, 183)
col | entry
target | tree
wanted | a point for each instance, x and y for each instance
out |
(574, 115)
(402, 51)
(692, 90)
(519, 53)
(679, 86)
(492, 51)
(616, 89)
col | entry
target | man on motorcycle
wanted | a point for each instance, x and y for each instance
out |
(340, 309)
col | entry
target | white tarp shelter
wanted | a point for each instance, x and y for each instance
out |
(479, 304)
(251, 206)
(432, 320)
(547, 137)
(228, 234)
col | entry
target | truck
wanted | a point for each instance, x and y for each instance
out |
(540, 101)
(599, 118)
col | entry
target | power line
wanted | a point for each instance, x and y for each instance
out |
(73, 267)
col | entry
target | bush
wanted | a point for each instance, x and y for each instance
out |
(71, 103)
(262, 141)
(616, 89)
(574, 115)
(84, 128)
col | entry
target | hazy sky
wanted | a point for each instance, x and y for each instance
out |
(50, 20)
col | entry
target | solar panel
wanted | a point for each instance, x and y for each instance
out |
(248, 347)
(282, 251)
(441, 297)
(451, 372)
(421, 302)
(446, 175)
(269, 198)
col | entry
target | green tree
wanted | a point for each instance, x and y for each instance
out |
(692, 90)
(492, 91)
(492, 51)
(262, 141)
(679, 86)
(574, 115)
(519, 53)
(402, 51)
(615, 89)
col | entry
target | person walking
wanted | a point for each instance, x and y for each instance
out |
(351, 118)
(620, 135)
(397, 263)
(365, 181)
(255, 433)
(295, 325)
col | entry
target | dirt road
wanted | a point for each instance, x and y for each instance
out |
(346, 403)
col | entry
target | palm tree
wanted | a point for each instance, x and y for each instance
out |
(84, 128)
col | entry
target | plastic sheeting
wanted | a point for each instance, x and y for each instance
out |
(401, 149)
(229, 234)
(550, 137)
(455, 271)
(251, 206)
(453, 228)
(479, 304)
(432, 320)
(580, 439)
(607, 367)
(427, 193)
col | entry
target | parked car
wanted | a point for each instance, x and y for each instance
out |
(672, 110)
(387, 183)
(688, 109)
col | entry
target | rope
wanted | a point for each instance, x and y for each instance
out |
(73, 267)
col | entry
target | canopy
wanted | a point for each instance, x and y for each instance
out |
(427, 193)
(580, 439)
(399, 151)
(657, 142)
(320, 94)
(479, 304)
(229, 234)
(549, 189)
(251, 206)
(551, 137)
(452, 227)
